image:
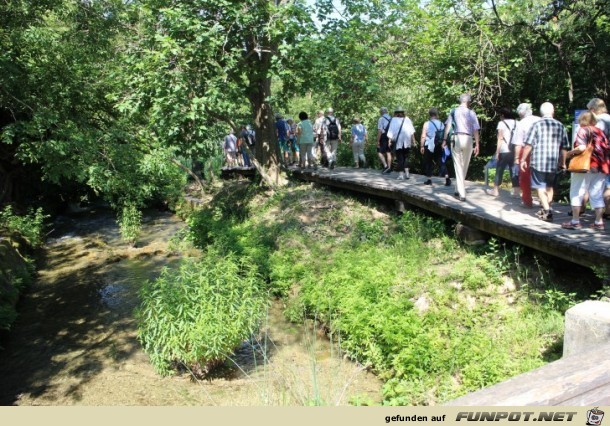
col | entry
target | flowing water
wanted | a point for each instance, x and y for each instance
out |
(75, 340)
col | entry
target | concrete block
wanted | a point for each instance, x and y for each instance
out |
(587, 326)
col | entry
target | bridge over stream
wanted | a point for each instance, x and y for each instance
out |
(503, 216)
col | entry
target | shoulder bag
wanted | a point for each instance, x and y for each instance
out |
(581, 163)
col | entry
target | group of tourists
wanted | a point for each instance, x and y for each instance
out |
(439, 142)
(305, 143)
(534, 149)
(234, 147)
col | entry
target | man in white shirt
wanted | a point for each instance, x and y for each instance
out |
(319, 136)
(402, 136)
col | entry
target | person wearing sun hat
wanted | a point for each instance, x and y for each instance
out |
(402, 136)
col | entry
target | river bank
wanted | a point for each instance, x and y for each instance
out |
(74, 342)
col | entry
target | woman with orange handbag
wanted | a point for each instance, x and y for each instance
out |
(590, 142)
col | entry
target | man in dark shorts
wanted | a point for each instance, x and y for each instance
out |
(548, 142)
(383, 149)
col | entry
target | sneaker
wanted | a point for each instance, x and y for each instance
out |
(447, 182)
(387, 171)
(407, 176)
(428, 182)
(331, 165)
(401, 177)
(546, 216)
(571, 225)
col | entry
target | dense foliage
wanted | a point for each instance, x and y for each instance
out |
(433, 319)
(19, 234)
(109, 95)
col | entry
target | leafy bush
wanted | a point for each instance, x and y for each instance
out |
(198, 315)
(30, 226)
(130, 223)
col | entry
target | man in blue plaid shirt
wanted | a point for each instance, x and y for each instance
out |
(548, 142)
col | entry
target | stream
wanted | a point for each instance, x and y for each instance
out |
(75, 343)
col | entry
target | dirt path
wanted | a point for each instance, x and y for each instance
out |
(75, 341)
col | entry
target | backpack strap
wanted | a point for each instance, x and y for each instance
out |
(388, 126)
(399, 130)
(512, 132)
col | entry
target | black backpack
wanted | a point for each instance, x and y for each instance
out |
(332, 129)
(439, 133)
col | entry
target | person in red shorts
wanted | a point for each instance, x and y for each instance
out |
(527, 119)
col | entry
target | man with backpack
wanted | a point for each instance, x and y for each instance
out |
(465, 126)
(383, 147)
(332, 129)
(319, 137)
(432, 147)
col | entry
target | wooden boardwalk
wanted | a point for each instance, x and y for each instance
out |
(502, 216)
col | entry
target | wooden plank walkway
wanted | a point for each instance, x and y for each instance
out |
(502, 216)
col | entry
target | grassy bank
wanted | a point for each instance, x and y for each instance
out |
(434, 319)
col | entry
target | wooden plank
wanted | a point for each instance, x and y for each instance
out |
(502, 216)
(582, 379)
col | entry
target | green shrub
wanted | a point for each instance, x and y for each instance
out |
(30, 226)
(130, 223)
(198, 315)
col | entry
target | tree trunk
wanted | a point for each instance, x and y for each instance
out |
(259, 91)
(190, 172)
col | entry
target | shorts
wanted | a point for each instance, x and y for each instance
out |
(608, 182)
(284, 146)
(383, 145)
(295, 145)
(592, 183)
(542, 180)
